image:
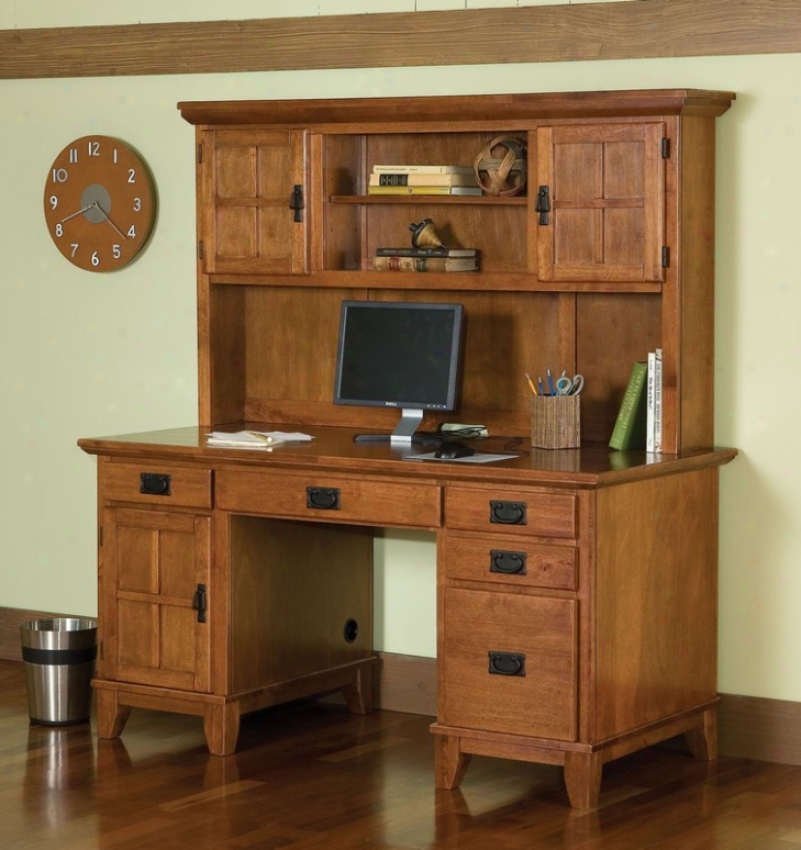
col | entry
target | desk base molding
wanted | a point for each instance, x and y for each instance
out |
(221, 714)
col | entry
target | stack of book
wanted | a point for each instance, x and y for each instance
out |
(426, 260)
(639, 421)
(423, 180)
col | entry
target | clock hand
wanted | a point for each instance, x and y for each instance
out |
(96, 204)
(80, 212)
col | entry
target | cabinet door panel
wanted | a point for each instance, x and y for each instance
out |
(247, 183)
(155, 564)
(607, 187)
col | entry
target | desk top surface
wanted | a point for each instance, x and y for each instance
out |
(335, 450)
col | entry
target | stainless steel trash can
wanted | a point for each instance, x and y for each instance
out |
(59, 656)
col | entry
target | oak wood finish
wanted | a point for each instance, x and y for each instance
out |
(608, 645)
(371, 780)
(620, 168)
(561, 33)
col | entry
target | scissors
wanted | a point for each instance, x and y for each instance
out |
(569, 386)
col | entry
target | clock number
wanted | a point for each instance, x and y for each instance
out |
(60, 175)
(131, 234)
(95, 259)
(132, 175)
(74, 246)
(59, 229)
(94, 148)
(53, 202)
(73, 154)
(137, 205)
(115, 156)
(116, 251)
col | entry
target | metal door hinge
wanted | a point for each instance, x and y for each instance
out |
(200, 250)
(199, 603)
(665, 257)
(199, 154)
(665, 148)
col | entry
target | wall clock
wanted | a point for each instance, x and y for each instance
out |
(100, 203)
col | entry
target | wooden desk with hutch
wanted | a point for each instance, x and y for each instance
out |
(225, 586)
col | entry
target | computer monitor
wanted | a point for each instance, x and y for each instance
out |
(404, 355)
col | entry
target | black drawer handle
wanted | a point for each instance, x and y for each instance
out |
(322, 498)
(507, 663)
(154, 484)
(508, 563)
(507, 513)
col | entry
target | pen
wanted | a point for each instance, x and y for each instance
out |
(551, 390)
(531, 383)
(542, 389)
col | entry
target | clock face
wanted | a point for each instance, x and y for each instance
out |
(99, 203)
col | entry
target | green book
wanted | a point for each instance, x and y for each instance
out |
(629, 432)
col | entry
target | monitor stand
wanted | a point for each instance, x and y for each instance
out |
(404, 433)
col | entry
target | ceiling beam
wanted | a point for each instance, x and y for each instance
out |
(571, 32)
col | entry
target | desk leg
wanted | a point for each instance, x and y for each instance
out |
(221, 725)
(111, 717)
(583, 779)
(703, 740)
(359, 693)
(450, 763)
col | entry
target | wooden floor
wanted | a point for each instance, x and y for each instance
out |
(312, 777)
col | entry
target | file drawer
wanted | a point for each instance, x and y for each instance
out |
(156, 484)
(510, 663)
(329, 498)
(510, 561)
(511, 511)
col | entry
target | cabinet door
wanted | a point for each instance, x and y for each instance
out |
(606, 184)
(254, 216)
(154, 564)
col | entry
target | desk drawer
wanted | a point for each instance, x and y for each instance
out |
(511, 512)
(156, 484)
(510, 663)
(329, 498)
(510, 561)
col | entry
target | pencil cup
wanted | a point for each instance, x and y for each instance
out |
(556, 421)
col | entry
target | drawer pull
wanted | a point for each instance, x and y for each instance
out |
(507, 513)
(507, 664)
(323, 498)
(154, 484)
(508, 563)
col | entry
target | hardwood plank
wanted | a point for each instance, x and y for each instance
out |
(311, 776)
(565, 32)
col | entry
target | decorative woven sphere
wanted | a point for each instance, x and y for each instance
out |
(500, 166)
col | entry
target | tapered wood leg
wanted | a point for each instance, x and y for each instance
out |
(703, 740)
(110, 716)
(450, 763)
(359, 694)
(583, 779)
(221, 725)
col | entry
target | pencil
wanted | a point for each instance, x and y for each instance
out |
(531, 383)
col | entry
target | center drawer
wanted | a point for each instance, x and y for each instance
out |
(329, 498)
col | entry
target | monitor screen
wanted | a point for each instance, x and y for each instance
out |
(397, 354)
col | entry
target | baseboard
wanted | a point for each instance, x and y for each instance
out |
(749, 727)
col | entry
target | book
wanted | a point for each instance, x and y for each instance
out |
(653, 420)
(425, 264)
(422, 169)
(629, 430)
(424, 190)
(426, 252)
(393, 179)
